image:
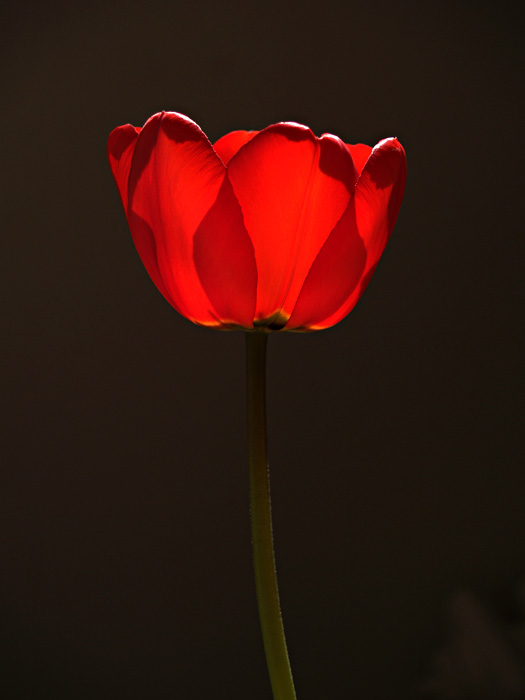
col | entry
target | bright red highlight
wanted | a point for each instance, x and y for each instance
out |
(274, 229)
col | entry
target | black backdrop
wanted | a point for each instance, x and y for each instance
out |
(394, 437)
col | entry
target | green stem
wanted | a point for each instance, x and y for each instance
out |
(262, 539)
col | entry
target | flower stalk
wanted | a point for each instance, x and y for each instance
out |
(261, 519)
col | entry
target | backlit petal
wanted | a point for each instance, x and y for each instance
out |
(175, 179)
(227, 146)
(292, 188)
(346, 263)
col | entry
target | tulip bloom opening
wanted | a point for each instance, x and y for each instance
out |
(264, 230)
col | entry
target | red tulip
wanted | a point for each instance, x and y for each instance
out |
(273, 229)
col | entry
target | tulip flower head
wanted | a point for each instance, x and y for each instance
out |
(263, 230)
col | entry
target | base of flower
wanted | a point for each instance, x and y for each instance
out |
(274, 322)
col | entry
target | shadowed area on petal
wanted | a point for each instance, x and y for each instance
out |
(378, 194)
(330, 164)
(290, 205)
(225, 261)
(360, 153)
(120, 148)
(366, 280)
(390, 174)
(146, 246)
(228, 145)
(174, 180)
(119, 140)
(334, 275)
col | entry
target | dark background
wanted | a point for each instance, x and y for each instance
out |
(394, 437)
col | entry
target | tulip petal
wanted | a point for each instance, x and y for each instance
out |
(343, 268)
(360, 154)
(292, 188)
(120, 149)
(174, 181)
(334, 275)
(121, 144)
(225, 261)
(228, 145)
(146, 245)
